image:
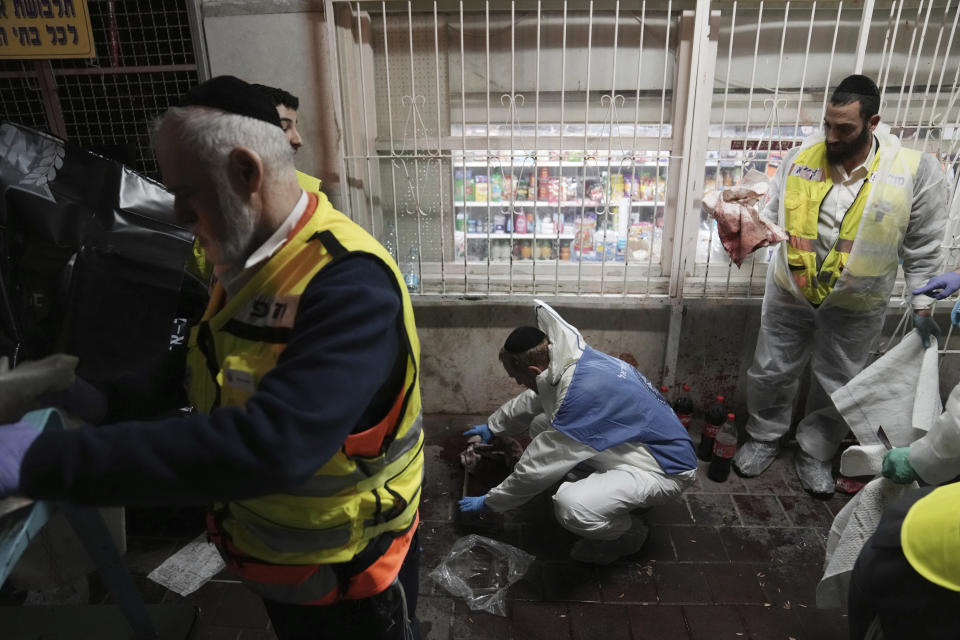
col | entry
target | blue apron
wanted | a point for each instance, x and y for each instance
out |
(609, 402)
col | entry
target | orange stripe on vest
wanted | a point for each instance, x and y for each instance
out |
(369, 582)
(369, 442)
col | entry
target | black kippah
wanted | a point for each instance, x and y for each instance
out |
(859, 85)
(522, 339)
(233, 95)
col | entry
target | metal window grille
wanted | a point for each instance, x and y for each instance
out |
(505, 152)
(777, 64)
(144, 62)
(441, 99)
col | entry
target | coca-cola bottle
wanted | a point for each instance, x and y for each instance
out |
(723, 449)
(683, 407)
(712, 421)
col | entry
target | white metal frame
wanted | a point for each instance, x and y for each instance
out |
(690, 97)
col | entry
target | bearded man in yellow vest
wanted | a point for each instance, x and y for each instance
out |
(306, 441)
(287, 106)
(855, 204)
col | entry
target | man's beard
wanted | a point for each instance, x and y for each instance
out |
(838, 152)
(238, 220)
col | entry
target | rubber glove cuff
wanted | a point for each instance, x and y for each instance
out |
(15, 439)
(955, 314)
(897, 467)
(473, 504)
(481, 430)
(926, 327)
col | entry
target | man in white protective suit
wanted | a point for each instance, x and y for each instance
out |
(855, 203)
(583, 407)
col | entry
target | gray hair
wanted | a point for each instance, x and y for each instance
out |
(213, 134)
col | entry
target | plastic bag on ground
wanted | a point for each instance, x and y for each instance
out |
(739, 225)
(480, 571)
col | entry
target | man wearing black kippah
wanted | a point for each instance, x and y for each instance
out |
(306, 440)
(855, 204)
(590, 410)
(287, 106)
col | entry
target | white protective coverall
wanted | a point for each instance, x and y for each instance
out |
(936, 456)
(625, 476)
(834, 339)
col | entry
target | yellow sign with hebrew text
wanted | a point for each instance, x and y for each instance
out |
(44, 29)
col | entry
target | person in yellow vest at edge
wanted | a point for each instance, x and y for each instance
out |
(855, 203)
(306, 441)
(287, 106)
(906, 581)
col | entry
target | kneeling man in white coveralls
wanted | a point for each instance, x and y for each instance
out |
(583, 407)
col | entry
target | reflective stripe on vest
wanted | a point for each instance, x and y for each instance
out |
(315, 584)
(286, 539)
(862, 264)
(363, 478)
(372, 485)
(930, 536)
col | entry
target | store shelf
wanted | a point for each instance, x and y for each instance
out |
(500, 235)
(546, 203)
(528, 162)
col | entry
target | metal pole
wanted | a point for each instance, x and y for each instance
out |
(866, 19)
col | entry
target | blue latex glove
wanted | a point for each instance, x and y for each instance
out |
(15, 439)
(941, 286)
(897, 467)
(955, 314)
(81, 399)
(481, 430)
(476, 504)
(926, 327)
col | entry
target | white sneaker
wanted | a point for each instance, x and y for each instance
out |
(606, 551)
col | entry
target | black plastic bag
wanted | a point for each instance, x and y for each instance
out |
(91, 261)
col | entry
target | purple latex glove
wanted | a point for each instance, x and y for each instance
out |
(15, 439)
(941, 286)
(81, 399)
(475, 504)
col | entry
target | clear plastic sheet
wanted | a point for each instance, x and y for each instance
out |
(480, 571)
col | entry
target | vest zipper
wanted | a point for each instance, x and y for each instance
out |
(834, 246)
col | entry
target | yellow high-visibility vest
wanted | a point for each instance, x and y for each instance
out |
(357, 495)
(865, 256)
(308, 183)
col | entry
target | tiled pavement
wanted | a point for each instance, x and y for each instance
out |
(736, 560)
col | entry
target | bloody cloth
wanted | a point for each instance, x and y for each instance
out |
(739, 225)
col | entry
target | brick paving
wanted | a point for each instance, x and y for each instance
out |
(737, 560)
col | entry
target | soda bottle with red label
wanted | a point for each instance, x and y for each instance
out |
(724, 447)
(712, 421)
(683, 407)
